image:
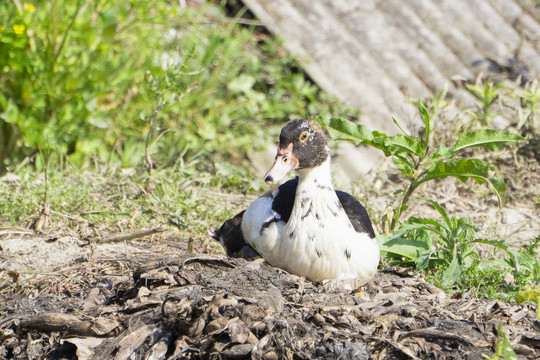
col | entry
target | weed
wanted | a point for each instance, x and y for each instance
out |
(485, 94)
(85, 78)
(503, 349)
(419, 161)
(530, 100)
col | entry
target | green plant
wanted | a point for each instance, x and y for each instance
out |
(419, 161)
(446, 246)
(530, 292)
(530, 100)
(503, 349)
(71, 73)
(85, 78)
(446, 250)
(485, 94)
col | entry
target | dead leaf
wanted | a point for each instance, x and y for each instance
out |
(238, 351)
(131, 342)
(103, 326)
(84, 346)
(238, 331)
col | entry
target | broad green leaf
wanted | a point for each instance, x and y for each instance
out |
(398, 245)
(357, 133)
(487, 138)
(463, 169)
(404, 144)
(452, 273)
(350, 131)
(442, 152)
(469, 168)
(410, 249)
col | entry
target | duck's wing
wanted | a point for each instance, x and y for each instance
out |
(356, 212)
(231, 237)
(280, 207)
(230, 234)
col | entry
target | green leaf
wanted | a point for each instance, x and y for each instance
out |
(404, 247)
(398, 245)
(452, 273)
(487, 138)
(400, 144)
(441, 211)
(425, 115)
(504, 348)
(498, 184)
(463, 169)
(348, 130)
(442, 152)
(359, 134)
(471, 168)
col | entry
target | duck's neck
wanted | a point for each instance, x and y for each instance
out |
(319, 175)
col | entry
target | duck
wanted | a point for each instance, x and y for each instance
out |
(304, 226)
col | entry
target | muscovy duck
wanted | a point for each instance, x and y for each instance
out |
(304, 226)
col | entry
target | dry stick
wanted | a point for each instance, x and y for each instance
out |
(433, 333)
(147, 145)
(131, 235)
(59, 322)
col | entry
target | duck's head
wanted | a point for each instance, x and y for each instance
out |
(302, 145)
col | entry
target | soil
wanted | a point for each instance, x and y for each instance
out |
(159, 295)
(198, 306)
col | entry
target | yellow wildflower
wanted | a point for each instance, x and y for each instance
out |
(18, 28)
(29, 7)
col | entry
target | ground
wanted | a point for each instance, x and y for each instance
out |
(161, 288)
(193, 305)
(162, 295)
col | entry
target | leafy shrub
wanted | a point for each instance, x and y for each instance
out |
(419, 161)
(87, 78)
(69, 71)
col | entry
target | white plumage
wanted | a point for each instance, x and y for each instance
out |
(319, 241)
(304, 226)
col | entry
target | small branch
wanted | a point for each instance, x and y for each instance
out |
(148, 146)
(132, 235)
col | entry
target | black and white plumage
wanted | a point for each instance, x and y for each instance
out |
(305, 226)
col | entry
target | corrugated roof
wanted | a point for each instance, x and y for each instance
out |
(378, 54)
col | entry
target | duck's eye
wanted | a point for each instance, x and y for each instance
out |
(303, 136)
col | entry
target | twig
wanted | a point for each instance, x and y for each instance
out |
(147, 145)
(432, 333)
(131, 235)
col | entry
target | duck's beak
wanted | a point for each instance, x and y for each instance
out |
(285, 163)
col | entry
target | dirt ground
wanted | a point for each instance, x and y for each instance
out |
(127, 302)
(162, 295)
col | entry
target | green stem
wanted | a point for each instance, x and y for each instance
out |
(66, 33)
(404, 199)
